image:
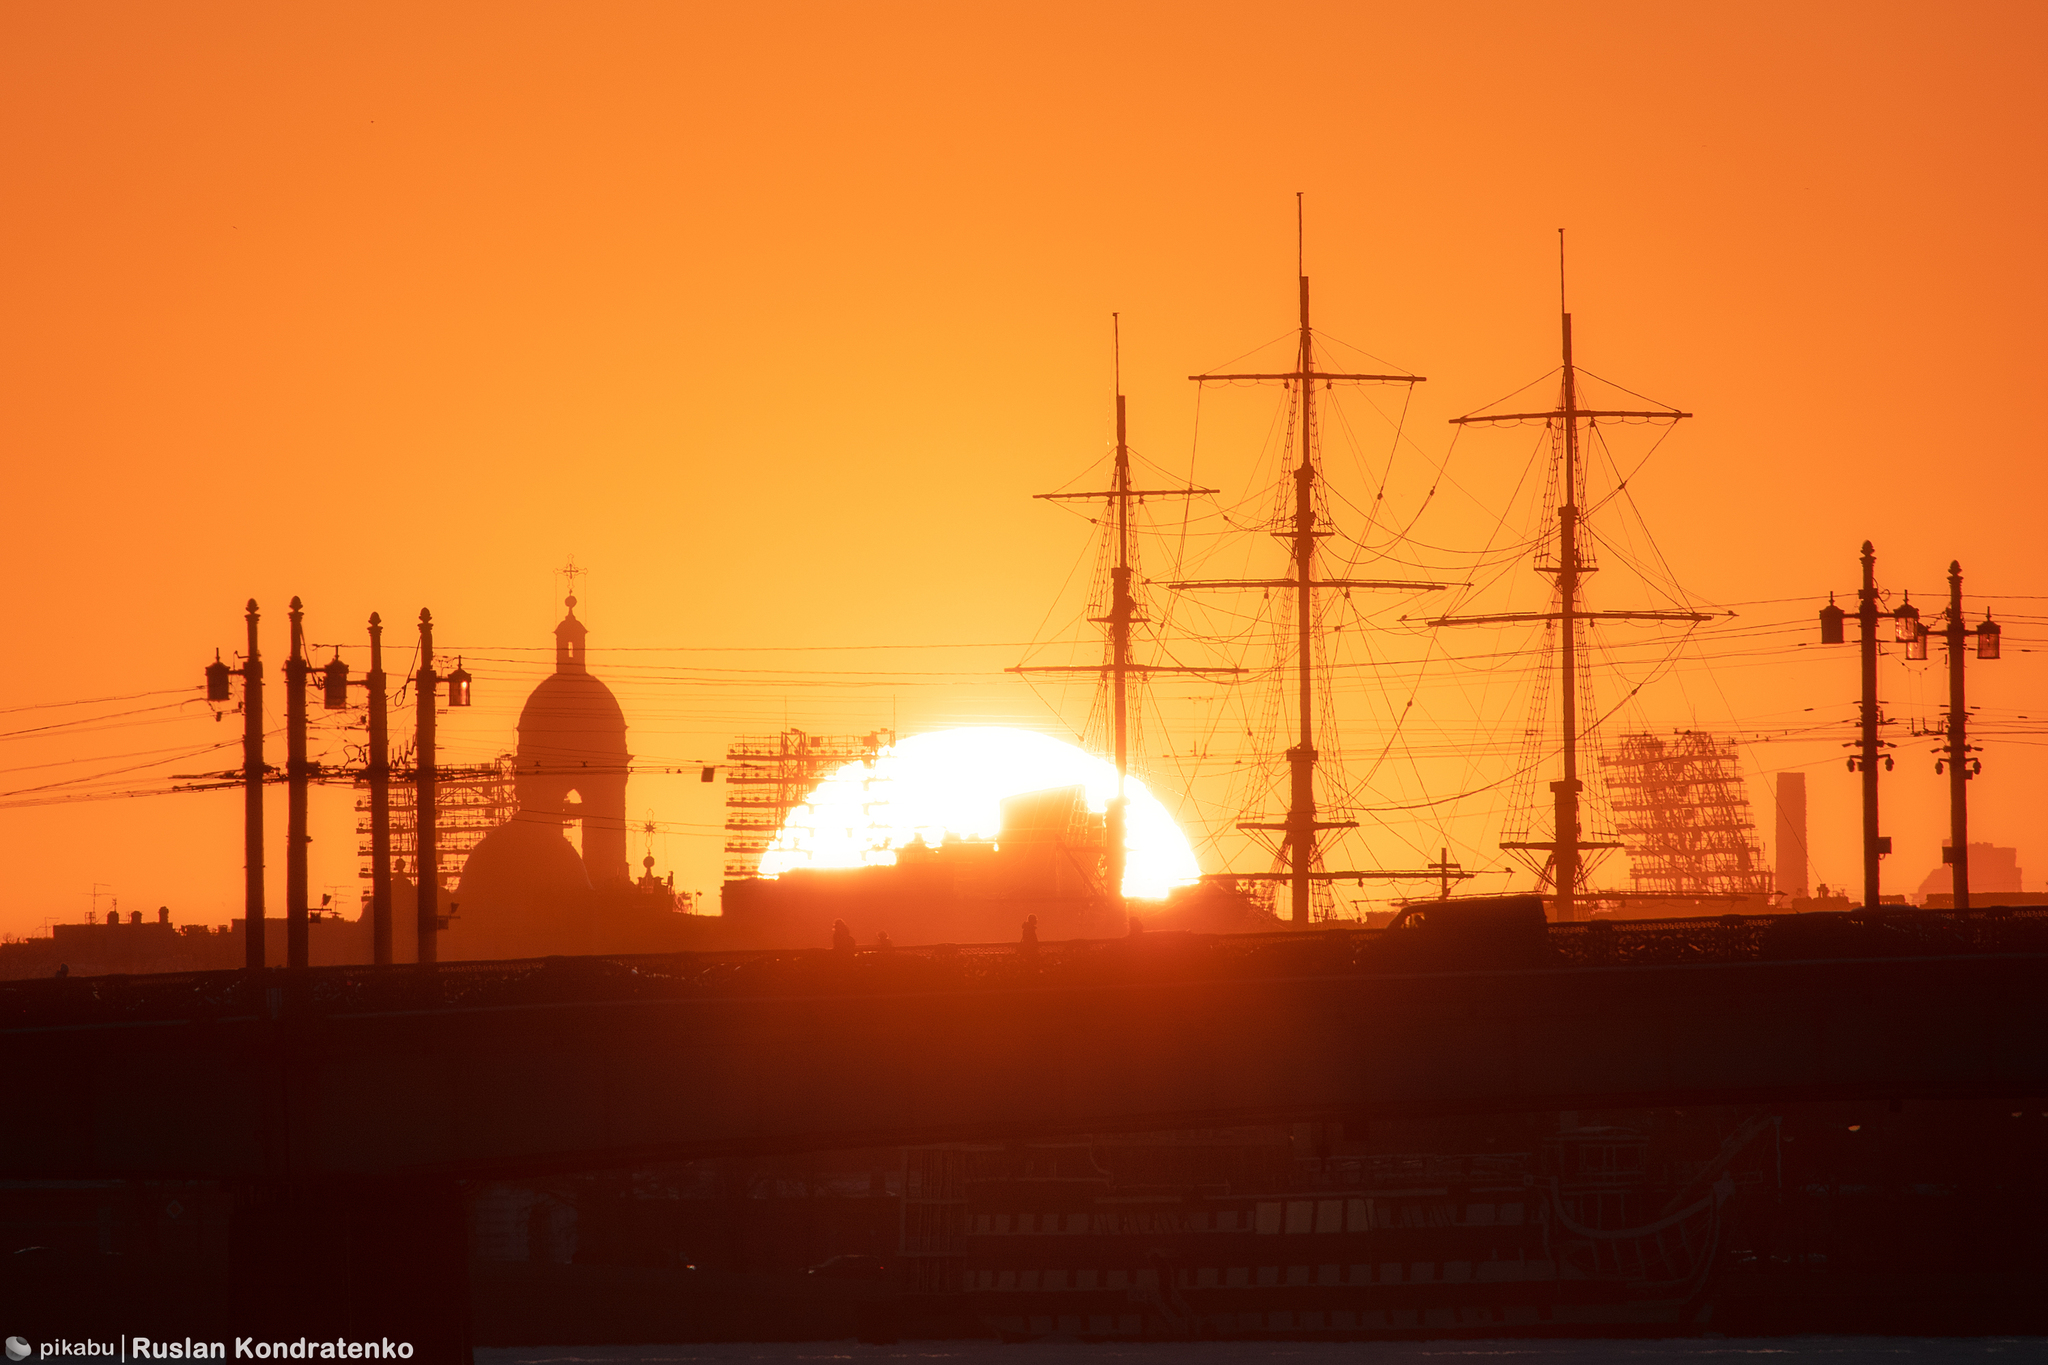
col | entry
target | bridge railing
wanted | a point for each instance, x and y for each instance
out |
(1341, 950)
(1750, 938)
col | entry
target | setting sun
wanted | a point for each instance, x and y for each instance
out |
(954, 782)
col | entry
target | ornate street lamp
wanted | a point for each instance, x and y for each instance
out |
(458, 684)
(1987, 638)
(1831, 619)
(1906, 622)
(334, 684)
(217, 676)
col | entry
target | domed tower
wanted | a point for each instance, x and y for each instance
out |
(571, 761)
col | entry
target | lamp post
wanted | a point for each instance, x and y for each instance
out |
(1957, 761)
(380, 801)
(335, 683)
(1832, 618)
(252, 798)
(297, 945)
(427, 863)
(428, 683)
(218, 689)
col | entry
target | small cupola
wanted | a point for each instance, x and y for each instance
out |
(569, 637)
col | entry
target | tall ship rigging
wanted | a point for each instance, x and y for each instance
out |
(1299, 835)
(1119, 672)
(1564, 553)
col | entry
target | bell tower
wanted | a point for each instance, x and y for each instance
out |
(570, 634)
(572, 760)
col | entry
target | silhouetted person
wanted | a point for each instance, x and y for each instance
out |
(882, 940)
(842, 937)
(63, 970)
(1029, 945)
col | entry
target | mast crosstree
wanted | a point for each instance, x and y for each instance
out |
(1300, 831)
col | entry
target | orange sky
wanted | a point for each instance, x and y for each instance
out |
(774, 316)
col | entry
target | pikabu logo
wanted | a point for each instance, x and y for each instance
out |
(118, 1351)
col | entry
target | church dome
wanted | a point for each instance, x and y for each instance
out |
(572, 718)
(524, 893)
(522, 860)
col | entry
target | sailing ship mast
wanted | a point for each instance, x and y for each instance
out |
(1118, 669)
(1300, 831)
(1567, 842)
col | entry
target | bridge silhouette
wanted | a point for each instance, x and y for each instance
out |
(480, 1069)
(350, 1102)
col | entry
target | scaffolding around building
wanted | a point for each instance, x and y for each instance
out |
(768, 776)
(1682, 813)
(470, 800)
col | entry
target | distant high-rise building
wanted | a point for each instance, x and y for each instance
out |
(1791, 845)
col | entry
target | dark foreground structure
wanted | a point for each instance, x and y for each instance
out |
(344, 1111)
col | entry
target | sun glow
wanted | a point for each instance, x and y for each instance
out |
(953, 782)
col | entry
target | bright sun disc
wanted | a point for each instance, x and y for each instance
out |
(954, 782)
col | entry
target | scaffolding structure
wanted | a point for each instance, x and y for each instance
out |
(768, 776)
(1682, 812)
(470, 800)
